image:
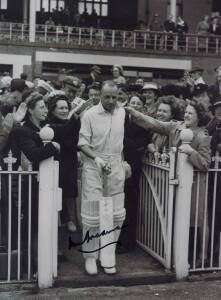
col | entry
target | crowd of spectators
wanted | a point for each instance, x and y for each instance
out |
(154, 118)
(65, 17)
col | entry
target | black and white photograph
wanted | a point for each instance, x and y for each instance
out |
(110, 149)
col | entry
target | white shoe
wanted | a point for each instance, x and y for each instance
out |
(71, 226)
(110, 270)
(91, 266)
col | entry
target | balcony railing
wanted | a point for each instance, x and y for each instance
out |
(114, 39)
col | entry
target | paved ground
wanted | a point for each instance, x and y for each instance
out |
(135, 267)
(199, 290)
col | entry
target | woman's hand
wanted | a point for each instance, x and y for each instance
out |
(57, 146)
(133, 112)
(186, 148)
(19, 115)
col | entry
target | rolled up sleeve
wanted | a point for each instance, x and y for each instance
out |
(85, 132)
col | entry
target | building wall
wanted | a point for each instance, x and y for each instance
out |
(30, 58)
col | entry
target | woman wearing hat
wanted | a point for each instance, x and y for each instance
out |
(150, 94)
(198, 152)
(118, 77)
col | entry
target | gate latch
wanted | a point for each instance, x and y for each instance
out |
(174, 182)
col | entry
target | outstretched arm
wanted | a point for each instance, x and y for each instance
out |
(148, 122)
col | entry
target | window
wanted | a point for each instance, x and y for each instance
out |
(100, 6)
(49, 5)
(3, 4)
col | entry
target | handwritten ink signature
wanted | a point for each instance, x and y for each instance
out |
(89, 237)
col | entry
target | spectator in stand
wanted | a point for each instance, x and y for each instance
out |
(77, 19)
(118, 73)
(181, 29)
(42, 16)
(203, 29)
(150, 93)
(55, 15)
(157, 26)
(61, 16)
(170, 28)
(214, 29)
(93, 18)
(84, 20)
(67, 16)
(50, 24)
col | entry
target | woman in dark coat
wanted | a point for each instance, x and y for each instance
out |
(135, 142)
(28, 142)
(59, 107)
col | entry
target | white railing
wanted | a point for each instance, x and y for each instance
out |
(180, 204)
(29, 247)
(16, 239)
(117, 39)
(205, 242)
(155, 211)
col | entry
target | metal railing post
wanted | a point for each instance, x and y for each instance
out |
(46, 31)
(91, 36)
(45, 216)
(10, 31)
(135, 38)
(113, 39)
(68, 38)
(182, 209)
(79, 36)
(124, 38)
(56, 34)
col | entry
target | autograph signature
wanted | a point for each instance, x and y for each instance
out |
(89, 237)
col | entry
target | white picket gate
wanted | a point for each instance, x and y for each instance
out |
(155, 212)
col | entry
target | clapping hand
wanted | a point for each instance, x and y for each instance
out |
(19, 115)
